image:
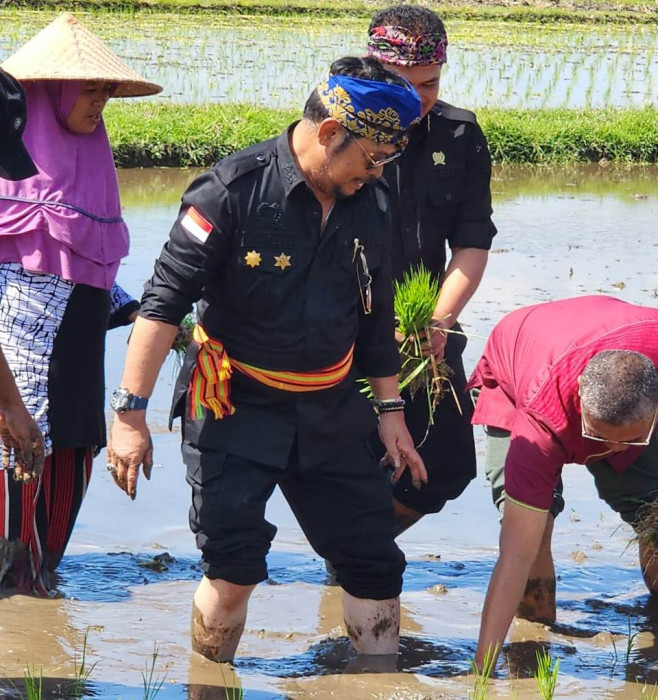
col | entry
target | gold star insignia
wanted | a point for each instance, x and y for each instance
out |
(252, 258)
(282, 261)
(439, 158)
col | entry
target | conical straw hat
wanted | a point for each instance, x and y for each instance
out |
(66, 50)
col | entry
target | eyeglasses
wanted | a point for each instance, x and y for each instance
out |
(380, 161)
(629, 443)
(363, 276)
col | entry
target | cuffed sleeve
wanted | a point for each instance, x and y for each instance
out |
(534, 463)
(122, 307)
(473, 226)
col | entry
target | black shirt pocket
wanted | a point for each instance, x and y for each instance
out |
(444, 187)
(254, 276)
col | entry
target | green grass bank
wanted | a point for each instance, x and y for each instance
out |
(144, 134)
(579, 11)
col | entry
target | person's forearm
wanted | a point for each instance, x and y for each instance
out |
(462, 278)
(149, 344)
(9, 394)
(384, 387)
(520, 539)
(504, 594)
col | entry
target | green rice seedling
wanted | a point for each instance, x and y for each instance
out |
(33, 684)
(481, 677)
(82, 671)
(415, 298)
(232, 690)
(546, 675)
(152, 683)
(630, 641)
(614, 658)
(183, 337)
(649, 692)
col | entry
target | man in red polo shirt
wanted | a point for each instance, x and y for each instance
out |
(570, 381)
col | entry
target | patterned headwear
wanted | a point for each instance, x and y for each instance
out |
(400, 47)
(371, 109)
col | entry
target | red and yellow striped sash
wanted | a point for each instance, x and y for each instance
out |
(210, 380)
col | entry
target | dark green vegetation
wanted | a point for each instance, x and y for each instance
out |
(147, 134)
(601, 11)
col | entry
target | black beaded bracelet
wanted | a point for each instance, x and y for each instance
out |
(387, 405)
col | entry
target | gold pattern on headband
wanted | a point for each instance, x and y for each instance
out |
(384, 126)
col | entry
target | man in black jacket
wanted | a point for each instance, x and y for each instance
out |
(286, 247)
(440, 193)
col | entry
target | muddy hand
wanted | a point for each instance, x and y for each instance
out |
(400, 450)
(129, 447)
(21, 435)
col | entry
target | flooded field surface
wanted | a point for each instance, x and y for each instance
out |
(130, 572)
(229, 58)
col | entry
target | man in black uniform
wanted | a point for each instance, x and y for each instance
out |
(440, 192)
(286, 245)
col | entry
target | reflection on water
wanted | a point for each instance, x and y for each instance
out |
(132, 568)
(276, 62)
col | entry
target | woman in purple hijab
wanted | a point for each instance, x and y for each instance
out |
(62, 238)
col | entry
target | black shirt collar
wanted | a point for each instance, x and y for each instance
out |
(290, 174)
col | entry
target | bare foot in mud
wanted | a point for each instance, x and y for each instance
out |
(373, 663)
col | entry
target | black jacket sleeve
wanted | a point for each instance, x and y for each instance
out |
(198, 245)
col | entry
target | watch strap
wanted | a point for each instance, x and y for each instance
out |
(137, 403)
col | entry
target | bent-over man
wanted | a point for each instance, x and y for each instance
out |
(570, 381)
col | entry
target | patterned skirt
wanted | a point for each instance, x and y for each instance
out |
(52, 333)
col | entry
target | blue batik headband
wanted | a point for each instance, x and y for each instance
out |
(371, 109)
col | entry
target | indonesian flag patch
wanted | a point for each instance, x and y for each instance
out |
(196, 225)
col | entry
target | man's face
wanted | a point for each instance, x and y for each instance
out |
(616, 438)
(85, 115)
(425, 80)
(350, 163)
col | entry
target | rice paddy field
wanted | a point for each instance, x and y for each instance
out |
(585, 88)
(129, 575)
(274, 61)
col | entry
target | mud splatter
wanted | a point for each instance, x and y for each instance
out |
(211, 642)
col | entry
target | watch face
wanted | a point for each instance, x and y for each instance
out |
(119, 400)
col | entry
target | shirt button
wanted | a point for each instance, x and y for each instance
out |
(408, 230)
(448, 198)
(260, 159)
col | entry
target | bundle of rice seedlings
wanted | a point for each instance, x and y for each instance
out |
(183, 337)
(415, 298)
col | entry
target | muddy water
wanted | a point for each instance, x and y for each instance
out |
(129, 575)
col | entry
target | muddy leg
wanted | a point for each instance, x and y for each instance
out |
(219, 612)
(405, 517)
(649, 566)
(538, 602)
(373, 626)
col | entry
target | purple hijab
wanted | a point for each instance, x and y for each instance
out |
(66, 220)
